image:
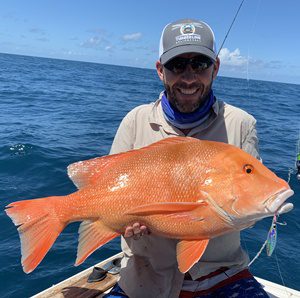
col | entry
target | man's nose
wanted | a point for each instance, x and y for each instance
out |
(189, 74)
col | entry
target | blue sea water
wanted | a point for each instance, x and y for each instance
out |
(56, 112)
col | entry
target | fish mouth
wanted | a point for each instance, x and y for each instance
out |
(275, 204)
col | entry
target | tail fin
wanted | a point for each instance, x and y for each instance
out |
(38, 227)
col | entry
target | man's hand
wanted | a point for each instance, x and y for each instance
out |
(136, 231)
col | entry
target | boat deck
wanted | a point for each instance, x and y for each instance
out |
(77, 286)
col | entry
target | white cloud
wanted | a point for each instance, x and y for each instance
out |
(234, 64)
(232, 58)
(71, 53)
(91, 42)
(132, 37)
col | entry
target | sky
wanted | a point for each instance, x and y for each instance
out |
(263, 44)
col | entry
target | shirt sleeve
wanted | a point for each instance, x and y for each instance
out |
(250, 141)
(124, 138)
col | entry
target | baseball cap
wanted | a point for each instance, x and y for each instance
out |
(186, 36)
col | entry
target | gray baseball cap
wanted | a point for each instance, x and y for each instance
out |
(186, 36)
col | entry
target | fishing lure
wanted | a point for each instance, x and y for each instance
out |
(272, 237)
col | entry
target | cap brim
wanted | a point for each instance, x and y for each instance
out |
(165, 57)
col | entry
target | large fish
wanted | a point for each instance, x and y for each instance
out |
(179, 187)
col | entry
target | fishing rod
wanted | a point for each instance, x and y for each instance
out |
(236, 14)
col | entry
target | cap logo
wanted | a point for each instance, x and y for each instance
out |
(187, 32)
(187, 29)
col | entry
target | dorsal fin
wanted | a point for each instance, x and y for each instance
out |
(85, 172)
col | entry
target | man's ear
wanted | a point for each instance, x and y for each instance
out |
(160, 70)
(216, 68)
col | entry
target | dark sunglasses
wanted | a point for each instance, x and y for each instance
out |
(179, 64)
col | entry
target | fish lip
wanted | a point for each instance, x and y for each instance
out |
(277, 200)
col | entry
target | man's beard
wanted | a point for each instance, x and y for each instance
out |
(184, 107)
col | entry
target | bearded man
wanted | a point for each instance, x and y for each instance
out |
(187, 66)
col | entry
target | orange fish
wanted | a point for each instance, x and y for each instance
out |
(180, 187)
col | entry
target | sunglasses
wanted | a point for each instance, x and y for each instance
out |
(179, 64)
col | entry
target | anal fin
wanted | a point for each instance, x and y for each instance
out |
(92, 235)
(189, 252)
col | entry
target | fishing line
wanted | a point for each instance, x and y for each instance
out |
(237, 12)
(248, 51)
(271, 241)
(258, 254)
(280, 274)
(290, 172)
(296, 168)
(248, 88)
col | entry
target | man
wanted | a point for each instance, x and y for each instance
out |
(187, 66)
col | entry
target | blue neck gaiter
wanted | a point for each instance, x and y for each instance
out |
(187, 120)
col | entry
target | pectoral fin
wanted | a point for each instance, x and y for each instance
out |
(189, 252)
(165, 208)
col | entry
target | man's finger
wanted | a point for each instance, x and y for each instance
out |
(136, 228)
(128, 232)
(144, 230)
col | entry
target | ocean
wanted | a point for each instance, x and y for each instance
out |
(55, 112)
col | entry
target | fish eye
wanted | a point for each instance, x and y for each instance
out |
(248, 168)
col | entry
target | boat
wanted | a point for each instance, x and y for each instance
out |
(78, 285)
